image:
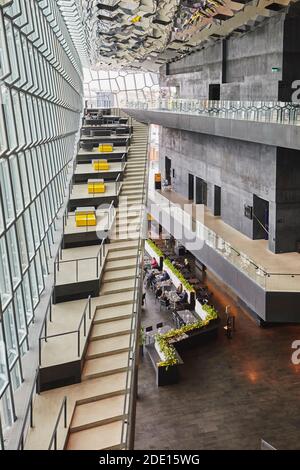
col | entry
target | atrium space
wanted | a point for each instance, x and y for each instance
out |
(149, 229)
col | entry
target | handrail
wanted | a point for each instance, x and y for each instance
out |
(48, 310)
(67, 214)
(82, 320)
(63, 409)
(98, 258)
(264, 111)
(118, 184)
(29, 409)
(262, 269)
(127, 431)
(2, 446)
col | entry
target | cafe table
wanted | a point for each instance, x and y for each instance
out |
(187, 316)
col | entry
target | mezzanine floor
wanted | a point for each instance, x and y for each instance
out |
(232, 393)
(285, 265)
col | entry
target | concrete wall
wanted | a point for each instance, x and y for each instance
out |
(244, 67)
(241, 169)
(287, 208)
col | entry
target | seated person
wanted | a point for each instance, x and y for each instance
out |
(183, 297)
(179, 289)
(164, 298)
(164, 277)
(187, 264)
(150, 279)
(158, 292)
(154, 264)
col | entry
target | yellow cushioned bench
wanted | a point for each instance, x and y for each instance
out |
(96, 186)
(85, 217)
(106, 148)
(99, 165)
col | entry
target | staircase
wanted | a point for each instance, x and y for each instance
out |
(97, 423)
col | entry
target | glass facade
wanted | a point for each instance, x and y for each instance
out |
(41, 104)
(122, 85)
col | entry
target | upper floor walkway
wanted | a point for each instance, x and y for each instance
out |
(265, 122)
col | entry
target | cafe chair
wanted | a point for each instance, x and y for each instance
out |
(163, 303)
(159, 325)
(175, 319)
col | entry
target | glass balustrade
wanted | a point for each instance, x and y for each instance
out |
(262, 111)
(288, 282)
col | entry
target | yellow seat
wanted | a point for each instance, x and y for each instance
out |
(96, 186)
(99, 165)
(85, 220)
(85, 216)
(106, 148)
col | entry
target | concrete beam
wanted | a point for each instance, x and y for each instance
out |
(277, 135)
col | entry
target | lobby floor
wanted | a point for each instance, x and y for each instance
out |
(232, 393)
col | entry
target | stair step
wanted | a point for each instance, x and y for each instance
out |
(115, 299)
(108, 346)
(117, 286)
(132, 191)
(111, 313)
(118, 274)
(97, 413)
(107, 365)
(120, 264)
(110, 329)
(121, 246)
(113, 255)
(107, 436)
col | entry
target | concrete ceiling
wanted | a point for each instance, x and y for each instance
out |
(144, 34)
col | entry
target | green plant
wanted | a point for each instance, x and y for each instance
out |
(211, 312)
(155, 248)
(164, 340)
(179, 276)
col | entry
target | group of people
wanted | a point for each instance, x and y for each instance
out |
(154, 280)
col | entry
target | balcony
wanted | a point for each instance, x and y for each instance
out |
(269, 123)
(268, 283)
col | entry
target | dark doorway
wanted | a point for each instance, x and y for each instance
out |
(214, 90)
(168, 164)
(217, 200)
(201, 191)
(260, 218)
(191, 187)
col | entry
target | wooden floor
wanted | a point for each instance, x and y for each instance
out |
(232, 393)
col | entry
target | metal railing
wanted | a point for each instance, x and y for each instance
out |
(118, 184)
(97, 261)
(62, 411)
(128, 425)
(48, 314)
(83, 321)
(2, 446)
(28, 412)
(108, 211)
(262, 111)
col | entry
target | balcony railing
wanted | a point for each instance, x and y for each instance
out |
(262, 111)
(80, 332)
(62, 412)
(78, 266)
(128, 425)
(269, 281)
